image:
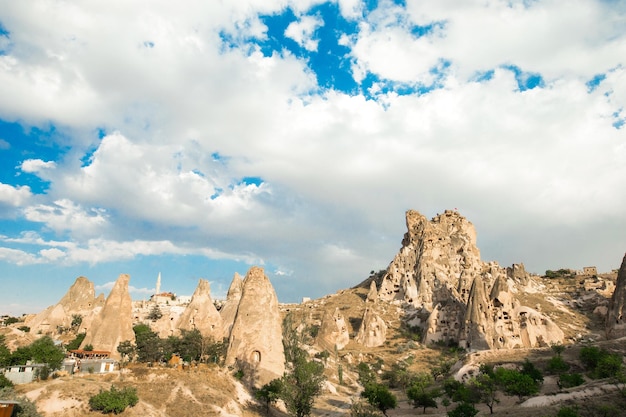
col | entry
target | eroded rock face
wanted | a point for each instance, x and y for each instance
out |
(616, 314)
(80, 300)
(333, 332)
(372, 295)
(373, 330)
(201, 313)
(438, 273)
(229, 309)
(114, 322)
(256, 340)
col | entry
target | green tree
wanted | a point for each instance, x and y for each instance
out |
(514, 382)
(422, 393)
(557, 348)
(77, 320)
(569, 380)
(529, 368)
(567, 412)
(485, 389)
(463, 409)
(5, 382)
(269, 393)
(155, 313)
(114, 401)
(556, 365)
(301, 385)
(78, 340)
(21, 355)
(362, 409)
(5, 353)
(44, 350)
(380, 397)
(127, 351)
(149, 345)
(365, 374)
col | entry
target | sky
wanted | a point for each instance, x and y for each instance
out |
(197, 139)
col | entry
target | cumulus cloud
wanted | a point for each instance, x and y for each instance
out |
(34, 166)
(190, 103)
(14, 196)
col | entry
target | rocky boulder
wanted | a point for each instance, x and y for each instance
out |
(256, 342)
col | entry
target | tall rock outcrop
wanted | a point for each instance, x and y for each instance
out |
(114, 322)
(80, 300)
(373, 330)
(372, 295)
(616, 315)
(229, 309)
(256, 341)
(333, 332)
(455, 296)
(201, 313)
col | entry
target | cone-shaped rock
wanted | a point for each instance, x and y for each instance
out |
(229, 309)
(79, 300)
(201, 313)
(256, 341)
(478, 324)
(114, 322)
(616, 316)
(373, 330)
(333, 332)
(372, 295)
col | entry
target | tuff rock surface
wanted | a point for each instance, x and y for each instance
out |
(113, 324)
(256, 341)
(229, 309)
(373, 330)
(333, 332)
(616, 318)
(201, 314)
(80, 300)
(439, 274)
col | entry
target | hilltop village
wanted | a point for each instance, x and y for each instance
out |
(436, 293)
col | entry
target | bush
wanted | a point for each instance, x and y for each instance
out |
(567, 412)
(600, 362)
(114, 401)
(463, 410)
(570, 380)
(5, 382)
(75, 344)
(556, 365)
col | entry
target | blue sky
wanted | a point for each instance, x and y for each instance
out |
(144, 137)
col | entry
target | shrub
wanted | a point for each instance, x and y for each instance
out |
(114, 401)
(557, 365)
(75, 344)
(5, 382)
(463, 410)
(25, 329)
(567, 412)
(569, 380)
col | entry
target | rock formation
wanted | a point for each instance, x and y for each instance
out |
(229, 309)
(616, 315)
(256, 343)
(372, 295)
(439, 274)
(333, 333)
(373, 330)
(80, 301)
(201, 313)
(114, 322)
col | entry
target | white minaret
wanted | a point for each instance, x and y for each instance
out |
(158, 286)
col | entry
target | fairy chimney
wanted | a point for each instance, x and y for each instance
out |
(114, 322)
(333, 333)
(373, 330)
(256, 342)
(229, 309)
(201, 314)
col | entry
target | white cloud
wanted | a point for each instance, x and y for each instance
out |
(303, 30)
(37, 165)
(65, 215)
(14, 196)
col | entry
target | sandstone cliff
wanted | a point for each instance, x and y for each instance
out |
(256, 341)
(373, 330)
(616, 317)
(201, 313)
(114, 322)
